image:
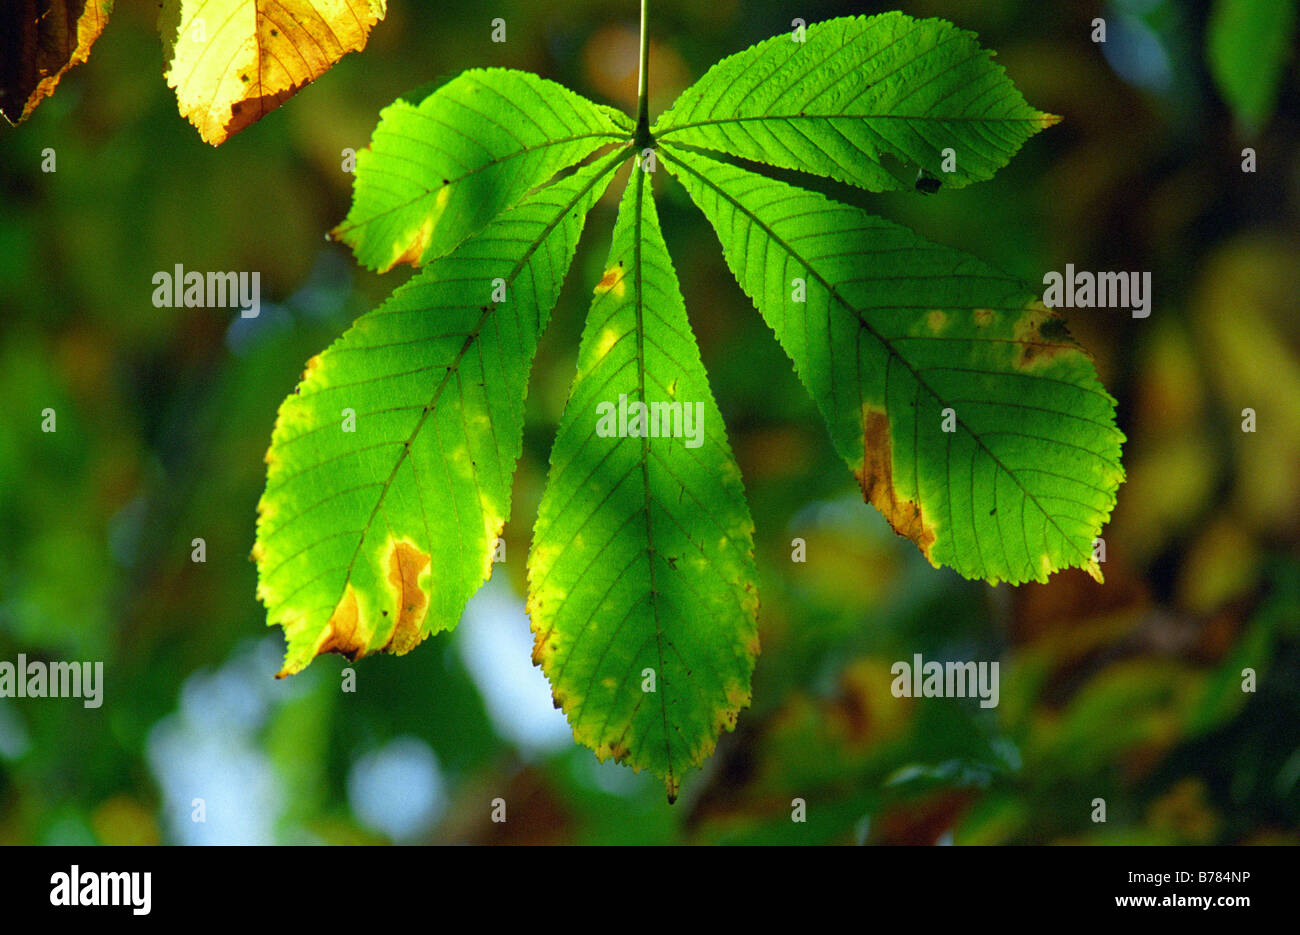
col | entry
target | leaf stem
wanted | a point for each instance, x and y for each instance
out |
(643, 138)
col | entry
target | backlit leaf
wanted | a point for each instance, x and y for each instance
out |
(371, 539)
(39, 42)
(897, 338)
(234, 61)
(438, 171)
(970, 418)
(859, 100)
(641, 577)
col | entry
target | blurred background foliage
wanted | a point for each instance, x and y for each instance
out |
(1128, 691)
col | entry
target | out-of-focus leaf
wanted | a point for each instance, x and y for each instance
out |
(39, 41)
(1249, 45)
(1136, 708)
(1244, 319)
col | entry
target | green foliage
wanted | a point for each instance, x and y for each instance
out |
(390, 528)
(437, 172)
(893, 334)
(372, 539)
(641, 575)
(857, 98)
(1248, 47)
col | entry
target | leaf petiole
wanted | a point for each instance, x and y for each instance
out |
(643, 138)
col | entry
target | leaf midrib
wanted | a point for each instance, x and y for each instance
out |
(805, 116)
(662, 688)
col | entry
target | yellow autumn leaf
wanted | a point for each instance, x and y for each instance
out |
(234, 61)
(39, 43)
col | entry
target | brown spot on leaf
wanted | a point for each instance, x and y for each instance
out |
(541, 647)
(612, 280)
(877, 482)
(405, 564)
(1041, 338)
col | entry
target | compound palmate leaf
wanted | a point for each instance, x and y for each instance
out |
(852, 95)
(390, 465)
(437, 171)
(970, 418)
(233, 61)
(641, 577)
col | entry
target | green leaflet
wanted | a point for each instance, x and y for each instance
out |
(860, 97)
(372, 539)
(642, 557)
(897, 337)
(1248, 46)
(438, 172)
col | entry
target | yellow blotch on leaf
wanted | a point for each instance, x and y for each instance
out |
(606, 343)
(351, 630)
(343, 633)
(417, 242)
